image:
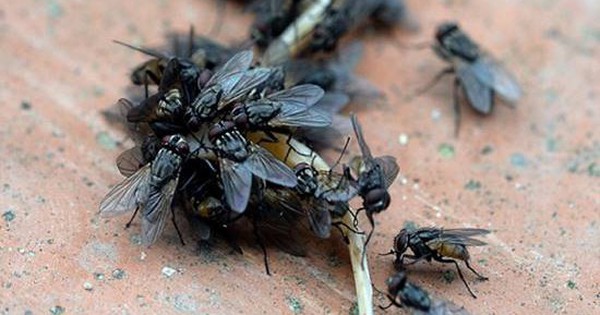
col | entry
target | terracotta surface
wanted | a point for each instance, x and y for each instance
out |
(530, 174)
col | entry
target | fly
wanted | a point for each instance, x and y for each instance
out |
(374, 177)
(227, 85)
(479, 74)
(239, 159)
(288, 108)
(443, 245)
(150, 188)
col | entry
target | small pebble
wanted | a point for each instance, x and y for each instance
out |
(88, 286)
(8, 215)
(118, 274)
(403, 139)
(436, 115)
(168, 271)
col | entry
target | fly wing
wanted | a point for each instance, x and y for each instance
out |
(335, 188)
(319, 219)
(332, 102)
(240, 83)
(288, 117)
(298, 98)
(364, 148)
(237, 181)
(238, 63)
(130, 161)
(264, 165)
(442, 307)
(492, 73)
(155, 211)
(459, 237)
(478, 91)
(145, 111)
(390, 168)
(127, 195)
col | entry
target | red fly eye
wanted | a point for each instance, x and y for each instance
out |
(165, 140)
(183, 147)
(220, 128)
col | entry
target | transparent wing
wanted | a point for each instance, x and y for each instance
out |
(492, 73)
(390, 168)
(442, 307)
(130, 161)
(239, 84)
(127, 195)
(155, 212)
(332, 102)
(335, 187)
(237, 181)
(319, 219)
(239, 62)
(298, 98)
(288, 117)
(478, 92)
(264, 165)
(459, 237)
(364, 148)
(145, 111)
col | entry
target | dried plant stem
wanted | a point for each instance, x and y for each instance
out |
(296, 36)
(301, 153)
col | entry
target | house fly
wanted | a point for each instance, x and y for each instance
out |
(403, 293)
(228, 84)
(288, 108)
(478, 73)
(374, 176)
(239, 159)
(443, 245)
(272, 18)
(150, 188)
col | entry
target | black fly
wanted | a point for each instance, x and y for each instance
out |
(402, 292)
(228, 84)
(374, 176)
(480, 76)
(239, 159)
(150, 188)
(287, 108)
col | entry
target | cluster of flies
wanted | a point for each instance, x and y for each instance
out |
(208, 111)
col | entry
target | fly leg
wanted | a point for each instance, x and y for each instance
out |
(475, 272)
(460, 274)
(176, 227)
(456, 107)
(433, 81)
(262, 247)
(132, 217)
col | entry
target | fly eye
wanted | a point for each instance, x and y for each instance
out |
(377, 200)
(165, 140)
(183, 147)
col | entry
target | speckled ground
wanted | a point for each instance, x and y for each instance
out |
(531, 174)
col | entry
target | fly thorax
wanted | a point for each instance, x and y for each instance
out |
(261, 112)
(233, 146)
(205, 105)
(307, 179)
(170, 104)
